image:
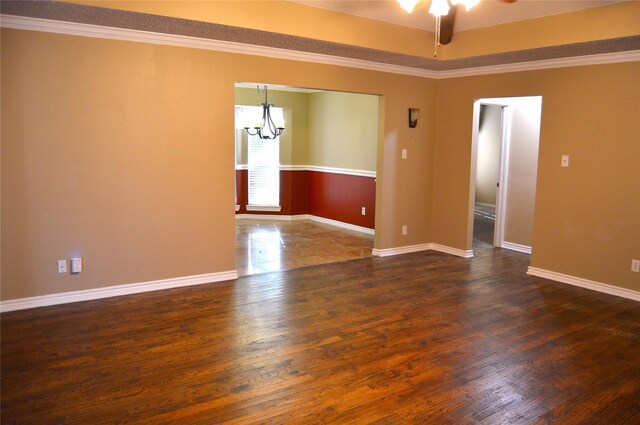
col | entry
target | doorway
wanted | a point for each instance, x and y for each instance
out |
(505, 141)
(322, 207)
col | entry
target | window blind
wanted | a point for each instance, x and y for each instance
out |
(264, 171)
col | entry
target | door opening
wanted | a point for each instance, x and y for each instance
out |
(321, 175)
(504, 166)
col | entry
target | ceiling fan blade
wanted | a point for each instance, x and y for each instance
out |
(446, 25)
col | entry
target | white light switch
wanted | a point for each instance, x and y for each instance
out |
(565, 161)
(404, 230)
(364, 211)
(404, 154)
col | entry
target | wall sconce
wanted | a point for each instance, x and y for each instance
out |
(413, 117)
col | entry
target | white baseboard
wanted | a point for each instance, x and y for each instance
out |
(342, 224)
(516, 247)
(422, 247)
(336, 223)
(114, 291)
(585, 283)
(387, 252)
(453, 251)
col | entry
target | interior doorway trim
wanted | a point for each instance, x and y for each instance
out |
(518, 139)
(503, 180)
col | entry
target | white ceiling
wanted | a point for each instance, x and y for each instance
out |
(486, 14)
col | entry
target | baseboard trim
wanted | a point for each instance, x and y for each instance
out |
(114, 291)
(516, 247)
(388, 252)
(342, 224)
(422, 247)
(585, 283)
(453, 251)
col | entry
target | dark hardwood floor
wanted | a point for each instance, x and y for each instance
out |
(422, 338)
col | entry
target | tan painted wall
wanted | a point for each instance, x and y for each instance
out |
(109, 150)
(489, 147)
(294, 140)
(523, 166)
(123, 153)
(343, 130)
(586, 216)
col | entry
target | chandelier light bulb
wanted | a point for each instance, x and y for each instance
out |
(468, 4)
(439, 7)
(408, 5)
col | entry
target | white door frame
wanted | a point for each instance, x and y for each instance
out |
(503, 181)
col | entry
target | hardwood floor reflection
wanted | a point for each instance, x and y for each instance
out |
(271, 245)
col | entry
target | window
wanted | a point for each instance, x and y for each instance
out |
(264, 172)
(263, 162)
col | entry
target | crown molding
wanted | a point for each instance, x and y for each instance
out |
(125, 34)
(597, 59)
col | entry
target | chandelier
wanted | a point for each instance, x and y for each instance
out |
(439, 8)
(266, 128)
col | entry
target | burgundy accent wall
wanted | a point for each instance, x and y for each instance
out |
(334, 196)
(341, 197)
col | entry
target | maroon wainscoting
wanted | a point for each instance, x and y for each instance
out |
(294, 197)
(334, 196)
(341, 197)
(242, 190)
(294, 192)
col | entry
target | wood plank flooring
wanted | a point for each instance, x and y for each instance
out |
(272, 245)
(422, 338)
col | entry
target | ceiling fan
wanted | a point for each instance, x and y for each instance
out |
(445, 16)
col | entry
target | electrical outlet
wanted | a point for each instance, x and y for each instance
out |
(76, 265)
(62, 266)
(404, 154)
(564, 161)
(635, 266)
(404, 230)
(364, 211)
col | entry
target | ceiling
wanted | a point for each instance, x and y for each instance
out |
(486, 14)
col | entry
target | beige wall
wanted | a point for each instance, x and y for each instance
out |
(586, 216)
(294, 140)
(488, 157)
(122, 152)
(343, 130)
(522, 169)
